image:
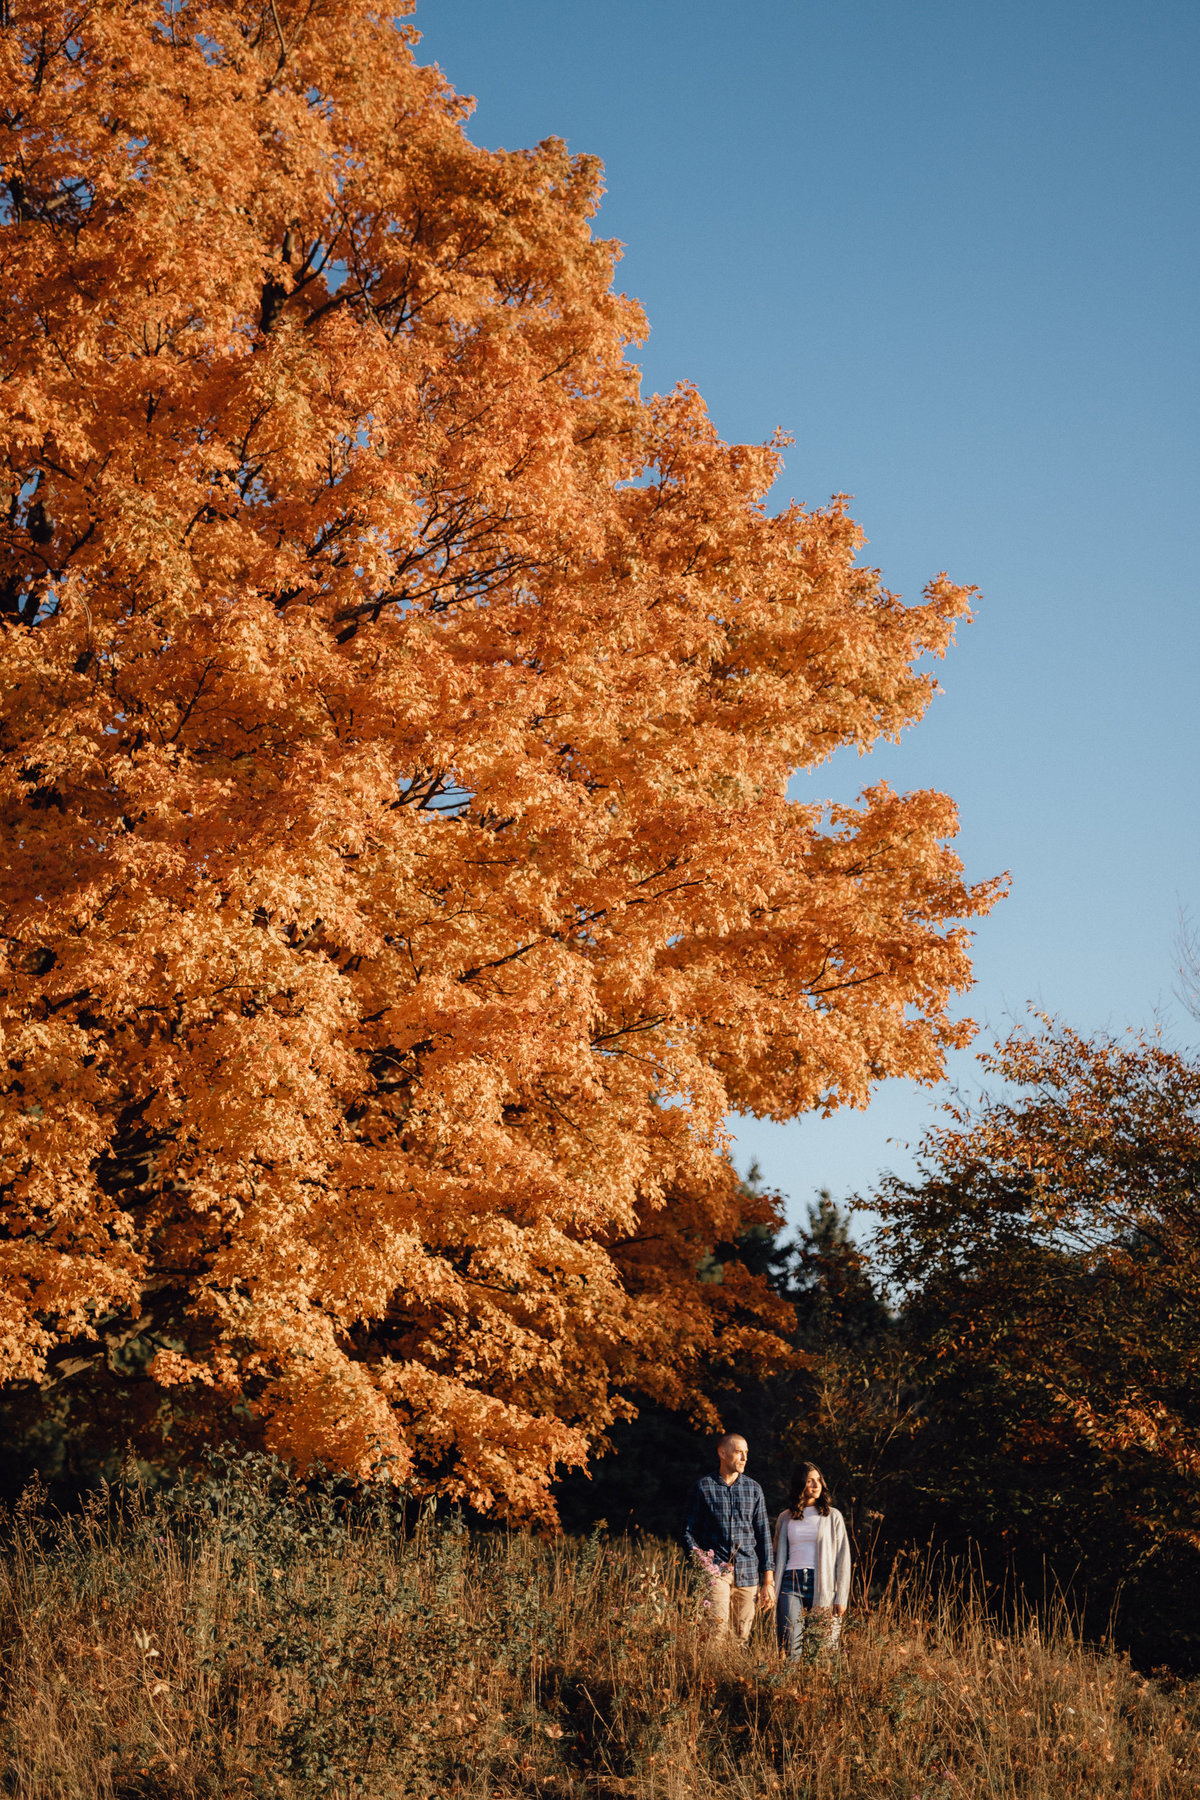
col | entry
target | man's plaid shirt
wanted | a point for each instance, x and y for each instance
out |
(731, 1521)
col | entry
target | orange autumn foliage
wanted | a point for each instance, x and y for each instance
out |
(399, 882)
(1051, 1251)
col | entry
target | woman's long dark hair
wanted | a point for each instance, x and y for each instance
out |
(800, 1475)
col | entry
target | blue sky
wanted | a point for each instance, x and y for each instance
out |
(953, 249)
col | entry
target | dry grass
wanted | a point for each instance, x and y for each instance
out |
(253, 1646)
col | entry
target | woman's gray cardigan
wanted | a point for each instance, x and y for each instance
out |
(832, 1584)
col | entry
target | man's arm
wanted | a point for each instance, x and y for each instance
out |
(762, 1541)
(695, 1519)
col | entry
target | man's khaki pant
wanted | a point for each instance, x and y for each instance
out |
(731, 1606)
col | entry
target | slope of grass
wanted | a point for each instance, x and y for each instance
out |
(242, 1641)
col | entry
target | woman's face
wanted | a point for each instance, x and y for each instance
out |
(812, 1488)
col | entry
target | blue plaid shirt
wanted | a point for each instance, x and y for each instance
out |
(731, 1521)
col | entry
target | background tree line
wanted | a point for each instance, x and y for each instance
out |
(1005, 1369)
(1008, 1368)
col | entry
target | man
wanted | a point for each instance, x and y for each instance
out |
(727, 1531)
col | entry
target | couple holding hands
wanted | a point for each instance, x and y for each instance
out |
(806, 1569)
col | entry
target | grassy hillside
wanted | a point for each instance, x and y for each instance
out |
(241, 1641)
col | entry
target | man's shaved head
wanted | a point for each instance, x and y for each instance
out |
(732, 1452)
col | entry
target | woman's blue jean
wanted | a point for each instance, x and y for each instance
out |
(795, 1599)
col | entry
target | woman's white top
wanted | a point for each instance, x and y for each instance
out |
(831, 1585)
(802, 1540)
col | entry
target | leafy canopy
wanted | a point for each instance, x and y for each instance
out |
(1052, 1252)
(397, 710)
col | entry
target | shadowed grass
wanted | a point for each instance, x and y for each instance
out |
(242, 1640)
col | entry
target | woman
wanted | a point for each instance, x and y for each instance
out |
(812, 1560)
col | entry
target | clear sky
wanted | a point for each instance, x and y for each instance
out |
(950, 245)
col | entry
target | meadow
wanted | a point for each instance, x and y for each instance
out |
(244, 1638)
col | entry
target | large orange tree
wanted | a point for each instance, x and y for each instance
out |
(399, 884)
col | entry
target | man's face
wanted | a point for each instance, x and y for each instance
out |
(731, 1456)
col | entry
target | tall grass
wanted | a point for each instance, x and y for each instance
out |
(245, 1640)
